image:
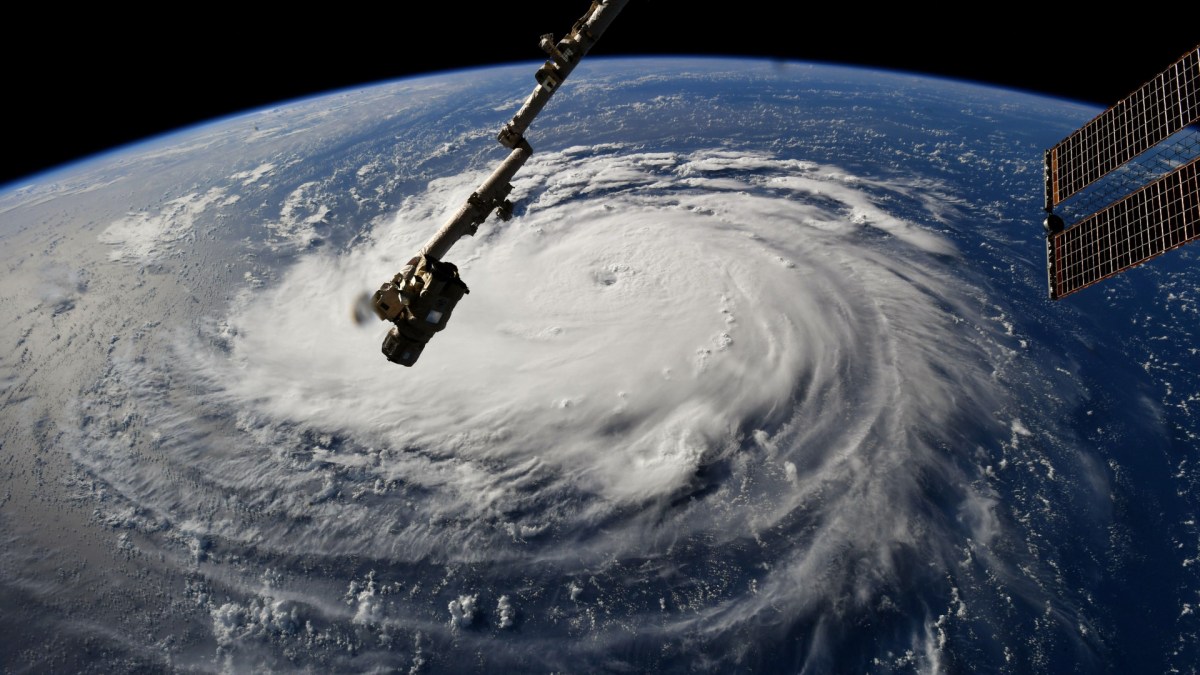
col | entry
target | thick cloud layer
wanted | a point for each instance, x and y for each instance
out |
(732, 362)
(646, 316)
(719, 400)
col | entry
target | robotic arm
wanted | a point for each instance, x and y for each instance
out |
(419, 298)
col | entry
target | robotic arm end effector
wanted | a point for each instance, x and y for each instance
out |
(419, 301)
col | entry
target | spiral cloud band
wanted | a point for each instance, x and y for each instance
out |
(717, 401)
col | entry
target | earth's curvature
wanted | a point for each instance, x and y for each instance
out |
(760, 378)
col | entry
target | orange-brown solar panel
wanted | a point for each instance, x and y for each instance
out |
(1126, 184)
(1138, 122)
(1159, 217)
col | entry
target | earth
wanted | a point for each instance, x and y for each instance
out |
(761, 377)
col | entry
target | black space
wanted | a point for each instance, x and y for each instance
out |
(83, 81)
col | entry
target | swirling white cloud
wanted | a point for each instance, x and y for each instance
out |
(720, 347)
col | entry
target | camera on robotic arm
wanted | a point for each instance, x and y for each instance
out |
(418, 300)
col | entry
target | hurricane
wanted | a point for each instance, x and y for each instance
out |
(700, 410)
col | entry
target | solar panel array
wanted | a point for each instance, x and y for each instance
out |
(1155, 219)
(1138, 122)
(1130, 178)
